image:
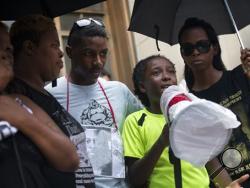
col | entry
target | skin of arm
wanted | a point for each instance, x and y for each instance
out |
(139, 170)
(223, 178)
(245, 60)
(42, 130)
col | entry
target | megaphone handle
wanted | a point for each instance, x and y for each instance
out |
(177, 168)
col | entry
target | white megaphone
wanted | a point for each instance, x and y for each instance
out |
(200, 129)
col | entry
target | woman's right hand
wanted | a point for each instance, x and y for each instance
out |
(236, 183)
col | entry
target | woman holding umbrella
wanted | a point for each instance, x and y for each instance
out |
(207, 78)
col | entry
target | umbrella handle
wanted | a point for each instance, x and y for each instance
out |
(234, 24)
(157, 33)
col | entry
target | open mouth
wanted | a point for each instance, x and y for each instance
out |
(165, 86)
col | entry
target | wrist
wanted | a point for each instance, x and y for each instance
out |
(164, 138)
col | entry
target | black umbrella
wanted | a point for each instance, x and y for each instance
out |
(162, 19)
(12, 9)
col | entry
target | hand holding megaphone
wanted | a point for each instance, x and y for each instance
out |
(200, 129)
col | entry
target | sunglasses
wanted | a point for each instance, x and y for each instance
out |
(87, 21)
(203, 46)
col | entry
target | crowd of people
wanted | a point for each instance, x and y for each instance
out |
(86, 132)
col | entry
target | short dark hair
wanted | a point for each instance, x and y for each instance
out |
(91, 30)
(191, 23)
(139, 75)
(31, 27)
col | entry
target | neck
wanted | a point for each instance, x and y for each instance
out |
(205, 79)
(31, 77)
(154, 108)
(79, 79)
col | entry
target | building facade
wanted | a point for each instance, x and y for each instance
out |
(126, 48)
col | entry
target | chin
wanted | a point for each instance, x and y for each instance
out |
(3, 85)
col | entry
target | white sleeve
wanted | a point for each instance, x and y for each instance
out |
(133, 103)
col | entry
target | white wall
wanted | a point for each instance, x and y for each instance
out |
(146, 46)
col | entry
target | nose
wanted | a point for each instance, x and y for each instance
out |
(166, 76)
(98, 58)
(195, 52)
(61, 54)
(7, 55)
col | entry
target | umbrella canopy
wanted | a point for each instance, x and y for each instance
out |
(12, 9)
(162, 19)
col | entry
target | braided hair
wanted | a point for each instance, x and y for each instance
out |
(139, 76)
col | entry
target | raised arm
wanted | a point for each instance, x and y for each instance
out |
(139, 170)
(41, 129)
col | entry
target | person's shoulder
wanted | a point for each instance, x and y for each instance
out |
(136, 115)
(59, 83)
(112, 83)
(238, 70)
(116, 85)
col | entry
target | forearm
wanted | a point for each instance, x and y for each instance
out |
(41, 129)
(218, 173)
(53, 144)
(140, 171)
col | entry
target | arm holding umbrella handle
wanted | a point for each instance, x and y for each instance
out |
(245, 60)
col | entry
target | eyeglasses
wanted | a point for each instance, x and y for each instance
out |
(203, 46)
(87, 21)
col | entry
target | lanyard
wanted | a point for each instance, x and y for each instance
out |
(104, 93)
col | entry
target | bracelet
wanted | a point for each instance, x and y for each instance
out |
(215, 173)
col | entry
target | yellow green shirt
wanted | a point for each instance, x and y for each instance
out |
(141, 130)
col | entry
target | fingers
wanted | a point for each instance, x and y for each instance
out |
(242, 178)
(236, 183)
(217, 185)
(245, 54)
(245, 59)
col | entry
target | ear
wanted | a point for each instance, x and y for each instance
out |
(28, 47)
(142, 87)
(69, 51)
(216, 49)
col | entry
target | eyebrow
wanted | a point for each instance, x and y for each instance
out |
(106, 49)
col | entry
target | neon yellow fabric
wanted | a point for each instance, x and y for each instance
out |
(139, 139)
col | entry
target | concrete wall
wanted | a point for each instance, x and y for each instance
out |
(146, 46)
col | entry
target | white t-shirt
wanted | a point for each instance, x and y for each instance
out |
(90, 107)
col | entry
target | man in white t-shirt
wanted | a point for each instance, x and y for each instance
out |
(100, 106)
